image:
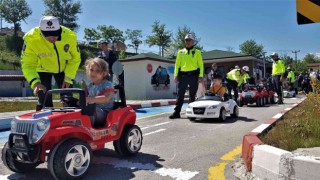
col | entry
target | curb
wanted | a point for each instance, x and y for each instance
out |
(155, 104)
(5, 122)
(273, 163)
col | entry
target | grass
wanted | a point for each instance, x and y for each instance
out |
(300, 127)
(21, 106)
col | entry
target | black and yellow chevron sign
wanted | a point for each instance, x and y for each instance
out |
(308, 11)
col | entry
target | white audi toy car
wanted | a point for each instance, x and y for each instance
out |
(212, 107)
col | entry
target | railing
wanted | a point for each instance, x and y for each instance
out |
(16, 78)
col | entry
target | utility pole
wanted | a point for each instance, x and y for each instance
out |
(296, 59)
(0, 16)
(264, 64)
(296, 52)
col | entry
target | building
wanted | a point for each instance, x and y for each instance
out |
(314, 66)
(150, 76)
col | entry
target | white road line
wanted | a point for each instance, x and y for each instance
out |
(174, 173)
(153, 132)
(277, 116)
(155, 125)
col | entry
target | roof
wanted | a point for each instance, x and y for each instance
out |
(313, 64)
(218, 54)
(151, 56)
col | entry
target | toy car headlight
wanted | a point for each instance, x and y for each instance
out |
(13, 124)
(43, 124)
(212, 107)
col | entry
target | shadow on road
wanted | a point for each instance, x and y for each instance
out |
(106, 164)
(227, 121)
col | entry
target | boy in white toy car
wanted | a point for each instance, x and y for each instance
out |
(214, 104)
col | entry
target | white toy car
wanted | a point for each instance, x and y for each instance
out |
(212, 107)
(289, 94)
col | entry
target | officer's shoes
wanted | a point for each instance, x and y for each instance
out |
(174, 116)
(280, 102)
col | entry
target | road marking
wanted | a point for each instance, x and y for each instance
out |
(153, 115)
(155, 125)
(217, 172)
(231, 156)
(153, 132)
(174, 173)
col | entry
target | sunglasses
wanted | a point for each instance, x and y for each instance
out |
(188, 39)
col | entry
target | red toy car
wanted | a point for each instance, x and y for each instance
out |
(66, 137)
(251, 95)
(269, 96)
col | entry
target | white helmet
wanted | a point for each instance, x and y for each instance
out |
(274, 54)
(236, 67)
(190, 36)
(245, 68)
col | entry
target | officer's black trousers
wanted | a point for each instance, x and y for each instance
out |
(184, 81)
(278, 86)
(232, 85)
(46, 80)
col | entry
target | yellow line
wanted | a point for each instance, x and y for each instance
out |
(309, 10)
(231, 156)
(217, 172)
(153, 115)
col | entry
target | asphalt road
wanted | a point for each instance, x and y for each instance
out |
(174, 149)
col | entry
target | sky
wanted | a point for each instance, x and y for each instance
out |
(219, 23)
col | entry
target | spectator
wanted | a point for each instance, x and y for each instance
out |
(109, 56)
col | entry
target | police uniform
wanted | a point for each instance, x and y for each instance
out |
(188, 69)
(234, 79)
(291, 78)
(41, 59)
(278, 69)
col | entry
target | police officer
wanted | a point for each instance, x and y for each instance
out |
(278, 70)
(188, 71)
(235, 78)
(291, 78)
(50, 50)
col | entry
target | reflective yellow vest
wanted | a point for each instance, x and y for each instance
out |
(189, 62)
(235, 75)
(39, 55)
(278, 67)
(291, 76)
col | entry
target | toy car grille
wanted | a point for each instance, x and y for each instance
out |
(199, 110)
(25, 127)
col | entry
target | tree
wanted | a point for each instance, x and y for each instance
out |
(15, 11)
(288, 61)
(250, 47)
(111, 34)
(134, 36)
(65, 10)
(310, 58)
(91, 35)
(161, 37)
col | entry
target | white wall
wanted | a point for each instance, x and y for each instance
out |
(138, 81)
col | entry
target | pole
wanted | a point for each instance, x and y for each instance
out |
(296, 59)
(264, 64)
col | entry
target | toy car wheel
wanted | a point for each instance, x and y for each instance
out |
(223, 114)
(70, 159)
(235, 113)
(267, 100)
(130, 141)
(262, 101)
(273, 99)
(258, 102)
(12, 162)
(191, 119)
(241, 103)
(157, 84)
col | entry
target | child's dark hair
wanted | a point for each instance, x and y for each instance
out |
(100, 63)
(217, 76)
